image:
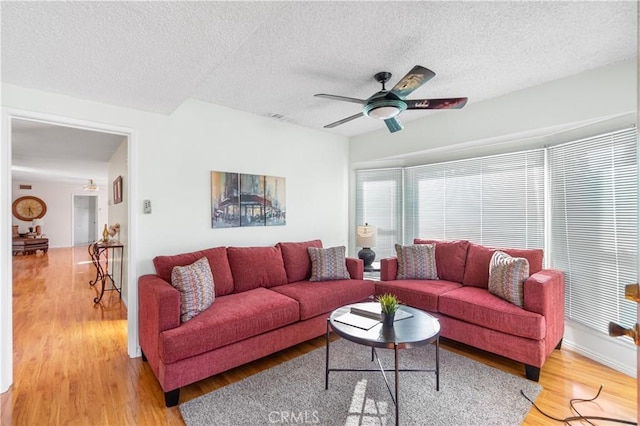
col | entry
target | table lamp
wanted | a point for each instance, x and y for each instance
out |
(366, 238)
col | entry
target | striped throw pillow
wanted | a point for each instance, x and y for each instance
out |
(328, 264)
(195, 284)
(416, 262)
(507, 276)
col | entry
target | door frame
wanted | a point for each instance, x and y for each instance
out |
(6, 273)
(73, 216)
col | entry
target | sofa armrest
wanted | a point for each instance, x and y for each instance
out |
(544, 294)
(355, 267)
(388, 268)
(158, 310)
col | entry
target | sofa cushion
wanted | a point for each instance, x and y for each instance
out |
(328, 264)
(230, 319)
(416, 262)
(296, 259)
(478, 306)
(254, 267)
(507, 276)
(451, 257)
(218, 263)
(195, 284)
(476, 271)
(417, 293)
(316, 298)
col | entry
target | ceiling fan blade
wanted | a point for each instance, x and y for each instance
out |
(393, 124)
(414, 79)
(446, 103)
(341, 98)
(344, 120)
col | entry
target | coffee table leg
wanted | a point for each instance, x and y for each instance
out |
(438, 364)
(395, 350)
(326, 365)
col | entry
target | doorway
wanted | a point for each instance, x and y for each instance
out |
(7, 166)
(85, 219)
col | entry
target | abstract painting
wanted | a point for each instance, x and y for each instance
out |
(239, 199)
(275, 200)
(225, 200)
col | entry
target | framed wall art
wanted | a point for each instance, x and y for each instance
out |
(117, 190)
(225, 200)
(239, 199)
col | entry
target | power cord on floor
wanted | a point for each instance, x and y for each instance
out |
(574, 400)
(578, 416)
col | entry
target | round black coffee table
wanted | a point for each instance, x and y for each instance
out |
(418, 329)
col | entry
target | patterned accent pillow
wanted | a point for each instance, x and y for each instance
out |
(417, 262)
(195, 284)
(328, 264)
(507, 276)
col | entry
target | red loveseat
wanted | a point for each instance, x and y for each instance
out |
(264, 302)
(470, 314)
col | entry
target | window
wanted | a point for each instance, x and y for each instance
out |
(379, 203)
(594, 187)
(500, 201)
(495, 201)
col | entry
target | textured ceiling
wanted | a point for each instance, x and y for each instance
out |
(271, 57)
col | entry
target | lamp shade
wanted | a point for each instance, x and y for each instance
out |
(366, 236)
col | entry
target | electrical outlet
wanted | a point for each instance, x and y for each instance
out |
(146, 206)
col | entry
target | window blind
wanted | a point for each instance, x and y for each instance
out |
(594, 199)
(379, 203)
(495, 201)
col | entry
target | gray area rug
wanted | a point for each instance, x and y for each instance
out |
(293, 392)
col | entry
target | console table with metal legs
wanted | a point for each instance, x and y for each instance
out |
(418, 330)
(101, 254)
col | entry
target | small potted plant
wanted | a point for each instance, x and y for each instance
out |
(389, 304)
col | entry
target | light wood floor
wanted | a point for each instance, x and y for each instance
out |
(71, 365)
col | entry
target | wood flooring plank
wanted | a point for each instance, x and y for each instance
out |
(71, 365)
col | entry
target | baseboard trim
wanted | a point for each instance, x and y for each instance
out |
(609, 351)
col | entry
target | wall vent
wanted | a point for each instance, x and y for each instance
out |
(280, 117)
(25, 186)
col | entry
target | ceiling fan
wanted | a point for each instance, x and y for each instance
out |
(387, 104)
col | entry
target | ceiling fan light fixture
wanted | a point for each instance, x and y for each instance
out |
(384, 109)
(383, 113)
(90, 186)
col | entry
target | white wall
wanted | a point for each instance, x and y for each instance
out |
(589, 103)
(170, 160)
(201, 138)
(58, 221)
(119, 213)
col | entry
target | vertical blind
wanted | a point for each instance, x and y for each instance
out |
(496, 201)
(379, 203)
(594, 222)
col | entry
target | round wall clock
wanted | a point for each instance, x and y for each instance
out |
(28, 208)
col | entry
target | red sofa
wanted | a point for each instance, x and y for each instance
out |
(264, 302)
(470, 314)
